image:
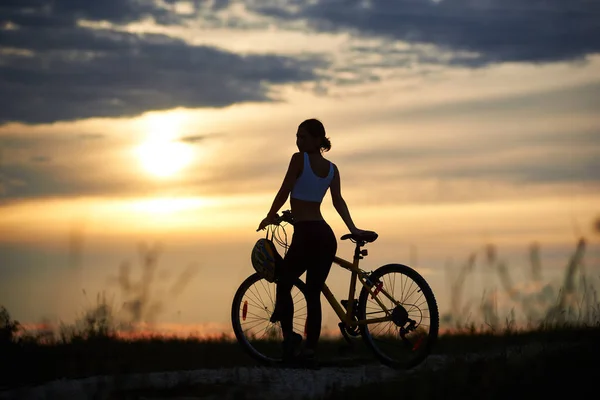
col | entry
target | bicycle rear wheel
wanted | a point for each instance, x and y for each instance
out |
(251, 310)
(406, 340)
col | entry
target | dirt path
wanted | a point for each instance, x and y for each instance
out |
(229, 383)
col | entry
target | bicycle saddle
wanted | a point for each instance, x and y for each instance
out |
(367, 237)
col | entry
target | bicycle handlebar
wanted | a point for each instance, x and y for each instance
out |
(286, 216)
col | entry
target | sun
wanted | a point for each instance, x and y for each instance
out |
(164, 158)
(162, 154)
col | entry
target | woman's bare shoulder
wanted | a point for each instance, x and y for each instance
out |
(332, 163)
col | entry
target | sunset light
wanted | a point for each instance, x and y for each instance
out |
(170, 205)
(146, 145)
(162, 154)
(163, 157)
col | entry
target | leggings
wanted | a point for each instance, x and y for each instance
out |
(312, 249)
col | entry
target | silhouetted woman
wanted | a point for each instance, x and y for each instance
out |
(313, 244)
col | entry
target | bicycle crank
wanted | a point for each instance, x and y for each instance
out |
(348, 330)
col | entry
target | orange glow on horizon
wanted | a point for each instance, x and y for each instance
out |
(31, 221)
(222, 332)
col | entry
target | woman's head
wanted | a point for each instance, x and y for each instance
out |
(311, 136)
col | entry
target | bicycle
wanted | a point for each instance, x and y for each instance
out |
(410, 325)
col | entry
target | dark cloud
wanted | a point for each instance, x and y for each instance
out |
(41, 159)
(557, 158)
(581, 99)
(36, 180)
(198, 138)
(553, 167)
(91, 136)
(45, 140)
(550, 156)
(67, 12)
(492, 31)
(502, 152)
(481, 145)
(54, 70)
(58, 178)
(512, 155)
(51, 165)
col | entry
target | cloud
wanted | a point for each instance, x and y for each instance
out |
(476, 32)
(67, 12)
(41, 159)
(56, 67)
(53, 69)
(48, 164)
(192, 139)
(91, 136)
(521, 142)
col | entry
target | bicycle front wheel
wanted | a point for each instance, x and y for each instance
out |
(405, 298)
(252, 307)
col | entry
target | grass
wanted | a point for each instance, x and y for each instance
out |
(92, 346)
(551, 373)
(27, 360)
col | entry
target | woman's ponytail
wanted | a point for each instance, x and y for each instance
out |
(325, 144)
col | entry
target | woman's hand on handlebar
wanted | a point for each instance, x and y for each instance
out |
(268, 220)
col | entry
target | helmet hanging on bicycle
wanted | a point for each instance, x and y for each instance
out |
(265, 258)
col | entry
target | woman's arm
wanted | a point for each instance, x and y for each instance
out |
(339, 203)
(284, 191)
(288, 183)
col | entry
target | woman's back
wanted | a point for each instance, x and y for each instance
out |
(310, 187)
(319, 165)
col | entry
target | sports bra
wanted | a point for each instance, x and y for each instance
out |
(308, 186)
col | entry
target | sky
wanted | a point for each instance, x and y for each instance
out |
(125, 125)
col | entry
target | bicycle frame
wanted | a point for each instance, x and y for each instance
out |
(359, 275)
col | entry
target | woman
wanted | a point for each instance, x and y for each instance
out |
(313, 245)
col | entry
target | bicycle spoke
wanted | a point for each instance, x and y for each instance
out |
(403, 287)
(299, 315)
(257, 297)
(254, 326)
(408, 317)
(416, 289)
(262, 308)
(264, 331)
(374, 312)
(251, 321)
(296, 295)
(389, 286)
(299, 326)
(300, 309)
(257, 316)
(254, 303)
(269, 293)
(248, 320)
(399, 345)
(375, 331)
